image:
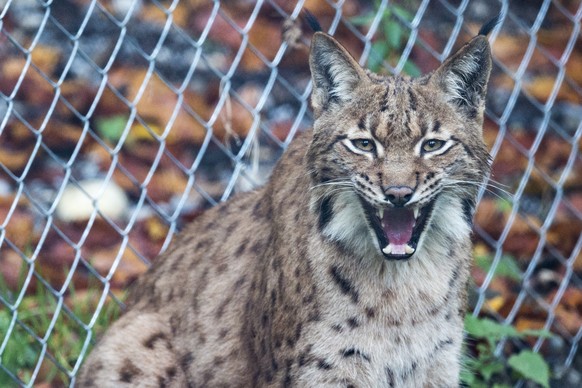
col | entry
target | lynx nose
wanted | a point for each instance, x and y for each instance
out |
(398, 195)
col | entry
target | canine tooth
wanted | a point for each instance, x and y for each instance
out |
(416, 210)
(408, 249)
(387, 249)
(381, 213)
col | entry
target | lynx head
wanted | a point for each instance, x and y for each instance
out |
(396, 161)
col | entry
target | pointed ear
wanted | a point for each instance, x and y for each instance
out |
(335, 73)
(463, 77)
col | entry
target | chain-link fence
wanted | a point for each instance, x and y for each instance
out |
(120, 120)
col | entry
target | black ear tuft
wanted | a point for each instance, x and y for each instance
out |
(311, 21)
(490, 25)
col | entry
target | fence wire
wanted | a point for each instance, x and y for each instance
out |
(121, 120)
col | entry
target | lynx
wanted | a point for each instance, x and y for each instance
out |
(348, 269)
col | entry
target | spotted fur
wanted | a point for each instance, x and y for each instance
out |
(289, 285)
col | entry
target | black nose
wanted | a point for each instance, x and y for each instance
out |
(398, 195)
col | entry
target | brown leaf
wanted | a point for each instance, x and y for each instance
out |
(568, 318)
(564, 234)
(489, 217)
(79, 94)
(19, 228)
(522, 239)
(542, 87)
(11, 267)
(45, 58)
(573, 67)
(159, 102)
(167, 183)
(15, 159)
(129, 268)
(509, 161)
(569, 311)
(34, 88)
(156, 229)
(180, 14)
(511, 49)
(266, 38)
(235, 119)
(528, 323)
(59, 135)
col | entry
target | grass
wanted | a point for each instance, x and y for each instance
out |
(43, 336)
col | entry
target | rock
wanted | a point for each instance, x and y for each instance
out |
(76, 202)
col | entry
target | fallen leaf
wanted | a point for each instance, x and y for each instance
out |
(542, 87)
(511, 49)
(522, 239)
(12, 267)
(156, 229)
(15, 159)
(569, 319)
(266, 38)
(129, 267)
(489, 217)
(45, 58)
(167, 183)
(564, 233)
(19, 229)
(528, 323)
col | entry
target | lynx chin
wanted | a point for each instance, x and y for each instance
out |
(348, 269)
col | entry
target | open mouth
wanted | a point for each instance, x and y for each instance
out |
(398, 229)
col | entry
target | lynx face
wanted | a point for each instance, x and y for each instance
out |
(388, 153)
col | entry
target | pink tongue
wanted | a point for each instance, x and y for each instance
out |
(398, 223)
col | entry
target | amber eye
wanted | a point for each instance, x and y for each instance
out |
(432, 145)
(364, 144)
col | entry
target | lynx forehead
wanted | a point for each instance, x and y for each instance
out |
(348, 269)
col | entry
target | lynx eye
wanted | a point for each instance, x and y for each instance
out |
(364, 144)
(432, 145)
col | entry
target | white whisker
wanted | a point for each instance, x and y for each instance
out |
(457, 185)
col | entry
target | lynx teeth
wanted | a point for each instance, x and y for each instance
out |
(381, 213)
(387, 249)
(407, 249)
(416, 210)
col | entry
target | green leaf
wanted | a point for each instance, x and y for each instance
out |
(411, 69)
(362, 20)
(503, 205)
(531, 366)
(403, 13)
(111, 128)
(507, 266)
(377, 55)
(487, 328)
(467, 377)
(536, 333)
(489, 369)
(393, 34)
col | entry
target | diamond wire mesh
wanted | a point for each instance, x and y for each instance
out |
(121, 120)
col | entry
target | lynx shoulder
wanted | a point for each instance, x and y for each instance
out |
(347, 269)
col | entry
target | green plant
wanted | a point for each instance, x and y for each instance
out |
(390, 39)
(111, 128)
(35, 315)
(20, 353)
(487, 370)
(506, 267)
